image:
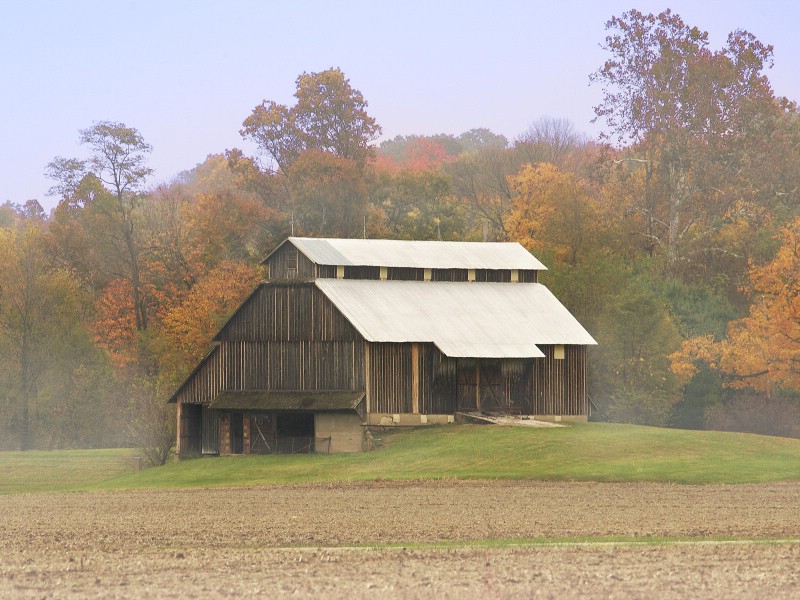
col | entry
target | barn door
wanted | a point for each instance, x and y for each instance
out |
(191, 428)
(467, 378)
(262, 434)
(492, 384)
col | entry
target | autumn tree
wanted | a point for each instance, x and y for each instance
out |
(115, 175)
(419, 205)
(552, 210)
(260, 212)
(39, 305)
(329, 116)
(481, 181)
(401, 147)
(683, 107)
(762, 350)
(329, 195)
(187, 328)
(629, 379)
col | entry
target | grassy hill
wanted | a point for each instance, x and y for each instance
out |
(585, 452)
(61, 470)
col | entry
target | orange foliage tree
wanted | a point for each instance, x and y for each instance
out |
(187, 328)
(762, 350)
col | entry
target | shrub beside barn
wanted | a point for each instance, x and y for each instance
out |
(347, 334)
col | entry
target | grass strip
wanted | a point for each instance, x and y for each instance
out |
(601, 452)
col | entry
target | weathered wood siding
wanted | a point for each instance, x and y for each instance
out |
(559, 385)
(543, 386)
(405, 274)
(206, 382)
(295, 365)
(291, 337)
(361, 272)
(289, 312)
(449, 274)
(190, 429)
(287, 336)
(390, 378)
(437, 382)
(288, 263)
(515, 385)
(210, 431)
(326, 271)
(497, 276)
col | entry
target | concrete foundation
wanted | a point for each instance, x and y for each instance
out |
(561, 418)
(407, 419)
(346, 431)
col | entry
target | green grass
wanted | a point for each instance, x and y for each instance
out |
(587, 452)
(61, 470)
(584, 452)
(528, 542)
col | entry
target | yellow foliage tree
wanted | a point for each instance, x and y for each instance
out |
(761, 351)
(551, 210)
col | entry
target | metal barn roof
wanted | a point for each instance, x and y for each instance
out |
(416, 254)
(478, 320)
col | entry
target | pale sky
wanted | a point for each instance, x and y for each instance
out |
(187, 73)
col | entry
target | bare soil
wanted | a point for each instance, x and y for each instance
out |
(306, 540)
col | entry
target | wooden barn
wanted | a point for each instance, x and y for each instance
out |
(347, 334)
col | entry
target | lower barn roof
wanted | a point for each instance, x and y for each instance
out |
(287, 401)
(463, 319)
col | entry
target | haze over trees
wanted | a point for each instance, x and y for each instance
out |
(673, 238)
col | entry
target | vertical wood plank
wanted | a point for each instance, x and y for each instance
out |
(415, 378)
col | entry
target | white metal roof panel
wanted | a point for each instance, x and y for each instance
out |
(479, 320)
(417, 254)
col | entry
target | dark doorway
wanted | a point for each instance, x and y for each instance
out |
(295, 433)
(237, 433)
(191, 429)
(295, 425)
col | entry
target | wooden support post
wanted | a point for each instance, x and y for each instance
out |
(178, 448)
(415, 378)
(477, 384)
(246, 434)
(224, 433)
(367, 377)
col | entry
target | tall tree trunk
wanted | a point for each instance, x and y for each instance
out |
(24, 384)
(140, 313)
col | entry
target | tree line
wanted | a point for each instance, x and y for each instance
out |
(673, 237)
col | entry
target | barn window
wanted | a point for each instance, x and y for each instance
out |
(471, 275)
(514, 276)
(339, 271)
(558, 352)
(384, 273)
(426, 276)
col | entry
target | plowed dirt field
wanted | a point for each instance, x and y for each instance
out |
(308, 541)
